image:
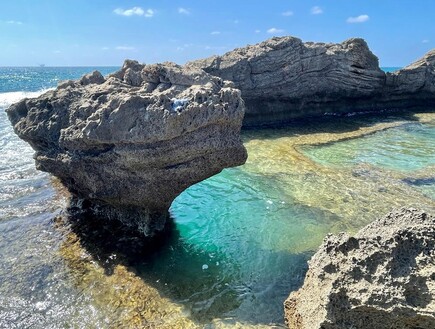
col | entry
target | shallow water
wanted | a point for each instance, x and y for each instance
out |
(239, 241)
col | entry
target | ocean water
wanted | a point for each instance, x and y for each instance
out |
(239, 241)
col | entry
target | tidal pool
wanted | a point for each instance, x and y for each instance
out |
(239, 241)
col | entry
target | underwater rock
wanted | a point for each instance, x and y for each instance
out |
(127, 145)
(383, 277)
(283, 78)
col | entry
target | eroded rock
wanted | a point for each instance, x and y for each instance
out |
(383, 277)
(128, 144)
(283, 78)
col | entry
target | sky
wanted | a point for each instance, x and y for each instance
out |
(105, 32)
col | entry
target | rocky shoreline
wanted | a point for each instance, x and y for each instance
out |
(127, 144)
(284, 78)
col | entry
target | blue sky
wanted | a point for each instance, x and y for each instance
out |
(105, 32)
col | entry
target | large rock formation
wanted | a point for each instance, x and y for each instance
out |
(128, 144)
(413, 86)
(284, 78)
(382, 278)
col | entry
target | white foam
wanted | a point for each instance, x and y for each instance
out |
(7, 99)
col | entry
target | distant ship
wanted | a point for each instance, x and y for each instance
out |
(41, 65)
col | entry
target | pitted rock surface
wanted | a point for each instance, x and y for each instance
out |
(383, 278)
(128, 144)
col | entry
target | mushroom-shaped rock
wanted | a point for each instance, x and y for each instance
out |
(382, 278)
(130, 143)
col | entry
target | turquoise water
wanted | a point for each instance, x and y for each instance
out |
(408, 148)
(240, 240)
(39, 78)
(390, 68)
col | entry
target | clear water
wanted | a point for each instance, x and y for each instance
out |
(240, 240)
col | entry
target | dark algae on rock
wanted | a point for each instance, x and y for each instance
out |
(128, 144)
(383, 278)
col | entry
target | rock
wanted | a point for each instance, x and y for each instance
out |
(127, 145)
(284, 78)
(414, 85)
(384, 277)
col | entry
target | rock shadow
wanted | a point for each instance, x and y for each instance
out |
(204, 282)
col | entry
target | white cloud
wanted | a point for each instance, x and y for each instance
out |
(149, 13)
(288, 13)
(13, 22)
(316, 10)
(104, 48)
(425, 41)
(125, 48)
(274, 30)
(138, 11)
(358, 19)
(215, 33)
(56, 52)
(183, 11)
(257, 31)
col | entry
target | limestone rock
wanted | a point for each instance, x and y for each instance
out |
(128, 144)
(283, 78)
(414, 84)
(384, 277)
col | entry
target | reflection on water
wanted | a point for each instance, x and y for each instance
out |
(238, 242)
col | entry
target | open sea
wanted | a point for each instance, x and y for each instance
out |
(239, 242)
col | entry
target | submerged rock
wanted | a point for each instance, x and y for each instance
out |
(384, 277)
(128, 144)
(283, 78)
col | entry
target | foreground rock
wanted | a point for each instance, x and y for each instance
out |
(127, 145)
(384, 277)
(284, 78)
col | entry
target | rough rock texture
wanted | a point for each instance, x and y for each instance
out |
(384, 277)
(128, 144)
(414, 85)
(284, 78)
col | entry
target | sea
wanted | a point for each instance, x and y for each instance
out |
(239, 241)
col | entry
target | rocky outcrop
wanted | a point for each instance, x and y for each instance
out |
(284, 78)
(383, 277)
(414, 85)
(128, 144)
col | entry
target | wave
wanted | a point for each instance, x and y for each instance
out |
(9, 98)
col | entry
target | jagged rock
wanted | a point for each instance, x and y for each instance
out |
(414, 85)
(127, 145)
(283, 78)
(382, 278)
